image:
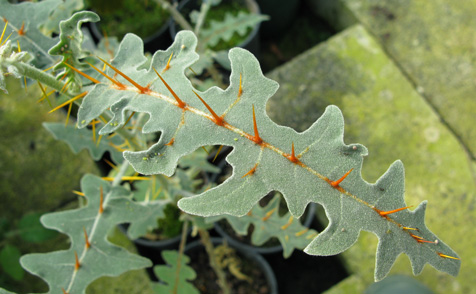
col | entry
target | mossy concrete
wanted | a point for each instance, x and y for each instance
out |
(383, 111)
(433, 44)
(37, 173)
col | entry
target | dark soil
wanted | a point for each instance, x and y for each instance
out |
(206, 277)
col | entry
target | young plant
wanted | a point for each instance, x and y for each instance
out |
(131, 97)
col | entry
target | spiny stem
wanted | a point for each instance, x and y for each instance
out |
(40, 76)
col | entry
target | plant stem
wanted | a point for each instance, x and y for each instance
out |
(178, 17)
(207, 242)
(183, 240)
(40, 76)
(201, 17)
(120, 173)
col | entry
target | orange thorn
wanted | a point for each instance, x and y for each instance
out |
(421, 240)
(292, 157)
(94, 132)
(203, 147)
(447, 256)
(121, 86)
(78, 193)
(64, 291)
(99, 140)
(86, 238)
(300, 233)
(101, 199)
(335, 184)
(256, 137)
(132, 114)
(218, 152)
(290, 221)
(384, 213)
(268, 214)
(181, 104)
(77, 265)
(216, 119)
(408, 228)
(21, 31)
(251, 171)
(69, 113)
(4, 29)
(249, 213)
(240, 89)
(171, 142)
(168, 63)
(110, 163)
(83, 74)
(69, 101)
(143, 90)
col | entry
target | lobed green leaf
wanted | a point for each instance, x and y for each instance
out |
(102, 258)
(264, 164)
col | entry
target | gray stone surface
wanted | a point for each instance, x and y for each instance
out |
(383, 111)
(433, 43)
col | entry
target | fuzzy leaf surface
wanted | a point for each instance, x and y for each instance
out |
(224, 30)
(267, 224)
(102, 258)
(79, 139)
(63, 11)
(263, 162)
(70, 46)
(176, 275)
(31, 16)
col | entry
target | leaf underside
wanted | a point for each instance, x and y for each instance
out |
(320, 157)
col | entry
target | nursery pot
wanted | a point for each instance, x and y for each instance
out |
(171, 243)
(158, 39)
(281, 12)
(251, 43)
(233, 240)
(251, 262)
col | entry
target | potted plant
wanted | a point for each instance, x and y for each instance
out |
(132, 97)
(127, 16)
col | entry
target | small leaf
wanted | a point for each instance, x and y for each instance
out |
(79, 139)
(10, 261)
(70, 46)
(32, 230)
(225, 29)
(175, 277)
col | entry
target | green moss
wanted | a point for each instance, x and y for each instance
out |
(170, 226)
(143, 17)
(37, 173)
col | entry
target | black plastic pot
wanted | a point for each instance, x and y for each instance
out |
(251, 43)
(257, 258)
(309, 216)
(171, 243)
(281, 12)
